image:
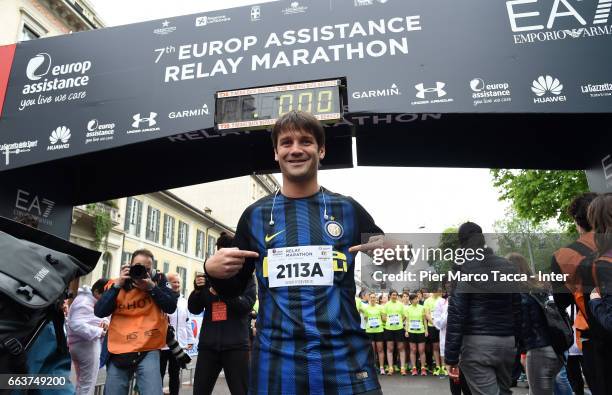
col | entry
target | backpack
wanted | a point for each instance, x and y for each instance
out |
(35, 271)
(558, 323)
(579, 297)
(587, 272)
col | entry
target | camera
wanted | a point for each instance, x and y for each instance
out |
(138, 272)
(177, 351)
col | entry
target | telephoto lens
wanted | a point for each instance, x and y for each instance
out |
(178, 353)
(138, 272)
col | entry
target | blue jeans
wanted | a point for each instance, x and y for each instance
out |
(147, 377)
(562, 384)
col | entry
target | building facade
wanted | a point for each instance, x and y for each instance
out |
(179, 235)
(227, 199)
(23, 20)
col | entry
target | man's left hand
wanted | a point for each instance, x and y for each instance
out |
(146, 284)
(374, 242)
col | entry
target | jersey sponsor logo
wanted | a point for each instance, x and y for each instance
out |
(270, 238)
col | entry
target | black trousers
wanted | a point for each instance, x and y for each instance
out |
(173, 370)
(597, 359)
(574, 373)
(235, 364)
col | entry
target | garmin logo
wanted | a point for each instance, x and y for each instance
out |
(198, 112)
(392, 91)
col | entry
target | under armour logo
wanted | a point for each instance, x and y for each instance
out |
(439, 89)
(138, 120)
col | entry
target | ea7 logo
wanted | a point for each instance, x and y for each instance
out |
(521, 12)
(32, 204)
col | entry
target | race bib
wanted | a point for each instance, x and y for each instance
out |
(415, 325)
(394, 319)
(373, 322)
(300, 266)
(219, 311)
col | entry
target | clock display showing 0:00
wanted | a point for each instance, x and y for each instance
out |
(315, 101)
(270, 106)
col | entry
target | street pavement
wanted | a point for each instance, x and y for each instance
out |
(394, 385)
(391, 385)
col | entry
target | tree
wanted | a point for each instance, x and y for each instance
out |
(541, 195)
(448, 239)
(536, 243)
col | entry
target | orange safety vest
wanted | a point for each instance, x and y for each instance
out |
(137, 324)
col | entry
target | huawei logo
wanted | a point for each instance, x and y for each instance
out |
(62, 134)
(546, 84)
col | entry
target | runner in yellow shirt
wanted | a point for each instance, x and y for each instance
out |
(393, 314)
(416, 329)
(434, 334)
(372, 313)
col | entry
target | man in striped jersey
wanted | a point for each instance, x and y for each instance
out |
(302, 244)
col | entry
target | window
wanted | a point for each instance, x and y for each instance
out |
(166, 267)
(153, 216)
(126, 257)
(28, 34)
(200, 244)
(211, 246)
(182, 272)
(168, 238)
(183, 237)
(133, 216)
(107, 261)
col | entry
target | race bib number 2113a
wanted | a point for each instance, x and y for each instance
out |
(300, 266)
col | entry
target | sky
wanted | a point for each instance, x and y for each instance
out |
(401, 200)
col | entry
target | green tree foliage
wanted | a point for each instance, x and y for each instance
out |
(540, 195)
(448, 239)
(535, 242)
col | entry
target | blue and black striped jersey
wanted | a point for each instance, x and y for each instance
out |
(309, 339)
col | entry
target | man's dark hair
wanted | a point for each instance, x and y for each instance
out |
(99, 285)
(144, 252)
(470, 236)
(579, 208)
(225, 241)
(299, 120)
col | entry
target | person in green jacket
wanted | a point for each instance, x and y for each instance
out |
(372, 313)
(416, 330)
(393, 314)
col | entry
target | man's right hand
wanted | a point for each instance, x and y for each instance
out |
(227, 262)
(200, 281)
(125, 274)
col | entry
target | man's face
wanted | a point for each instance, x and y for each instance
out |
(373, 298)
(298, 155)
(394, 297)
(143, 260)
(175, 282)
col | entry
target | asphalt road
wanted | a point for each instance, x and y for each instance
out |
(391, 385)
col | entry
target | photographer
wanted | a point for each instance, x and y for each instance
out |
(138, 327)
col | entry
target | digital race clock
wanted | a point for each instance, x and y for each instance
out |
(254, 108)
